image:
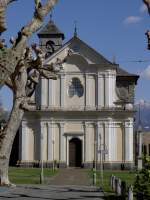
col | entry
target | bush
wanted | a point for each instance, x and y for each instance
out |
(142, 182)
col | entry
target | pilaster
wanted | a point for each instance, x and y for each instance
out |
(87, 92)
(23, 142)
(85, 141)
(44, 92)
(62, 90)
(109, 89)
(42, 124)
(100, 91)
(62, 143)
(129, 140)
(109, 139)
(51, 92)
(100, 138)
(50, 141)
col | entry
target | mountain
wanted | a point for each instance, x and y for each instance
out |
(142, 116)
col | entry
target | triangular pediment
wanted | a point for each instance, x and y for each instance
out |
(76, 49)
(79, 48)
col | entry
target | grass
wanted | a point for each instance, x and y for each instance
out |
(126, 176)
(29, 175)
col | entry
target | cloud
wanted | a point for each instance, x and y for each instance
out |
(132, 20)
(143, 8)
(146, 73)
(142, 103)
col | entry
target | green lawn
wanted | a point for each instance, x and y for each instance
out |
(127, 176)
(28, 175)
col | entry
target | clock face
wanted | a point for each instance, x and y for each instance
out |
(49, 48)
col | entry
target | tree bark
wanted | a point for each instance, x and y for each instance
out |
(7, 142)
(17, 80)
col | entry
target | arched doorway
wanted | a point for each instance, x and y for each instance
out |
(75, 152)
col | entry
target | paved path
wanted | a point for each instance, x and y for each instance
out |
(52, 193)
(71, 176)
(73, 184)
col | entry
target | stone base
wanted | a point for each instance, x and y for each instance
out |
(87, 165)
(37, 164)
(111, 166)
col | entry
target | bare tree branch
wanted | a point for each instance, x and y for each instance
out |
(147, 3)
(9, 83)
(36, 22)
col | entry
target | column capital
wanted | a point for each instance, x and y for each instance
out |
(99, 124)
(85, 124)
(50, 124)
(100, 75)
(24, 124)
(62, 76)
(128, 124)
(62, 124)
(43, 124)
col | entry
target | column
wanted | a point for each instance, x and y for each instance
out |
(62, 90)
(50, 141)
(51, 92)
(87, 95)
(44, 92)
(42, 140)
(109, 88)
(109, 140)
(84, 129)
(113, 142)
(100, 91)
(62, 143)
(87, 143)
(100, 138)
(129, 141)
(23, 142)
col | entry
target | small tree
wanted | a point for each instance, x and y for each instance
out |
(142, 182)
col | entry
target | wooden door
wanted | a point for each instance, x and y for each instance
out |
(75, 153)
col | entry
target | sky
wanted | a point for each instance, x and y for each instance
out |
(116, 29)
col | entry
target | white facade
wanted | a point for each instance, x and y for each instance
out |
(71, 123)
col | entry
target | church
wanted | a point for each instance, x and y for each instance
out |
(85, 116)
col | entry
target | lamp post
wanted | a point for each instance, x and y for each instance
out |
(139, 140)
(53, 156)
(42, 171)
(95, 163)
(101, 160)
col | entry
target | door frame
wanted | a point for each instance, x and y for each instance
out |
(70, 137)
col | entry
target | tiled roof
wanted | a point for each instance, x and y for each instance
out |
(50, 28)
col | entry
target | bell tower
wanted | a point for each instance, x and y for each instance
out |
(51, 38)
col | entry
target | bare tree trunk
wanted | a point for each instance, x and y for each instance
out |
(7, 141)
(18, 62)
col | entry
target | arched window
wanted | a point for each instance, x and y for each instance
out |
(75, 88)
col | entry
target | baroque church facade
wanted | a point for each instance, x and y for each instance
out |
(84, 116)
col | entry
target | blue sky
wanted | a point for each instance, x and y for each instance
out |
(114, 28)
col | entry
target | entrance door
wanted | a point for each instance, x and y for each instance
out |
(75, 153)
